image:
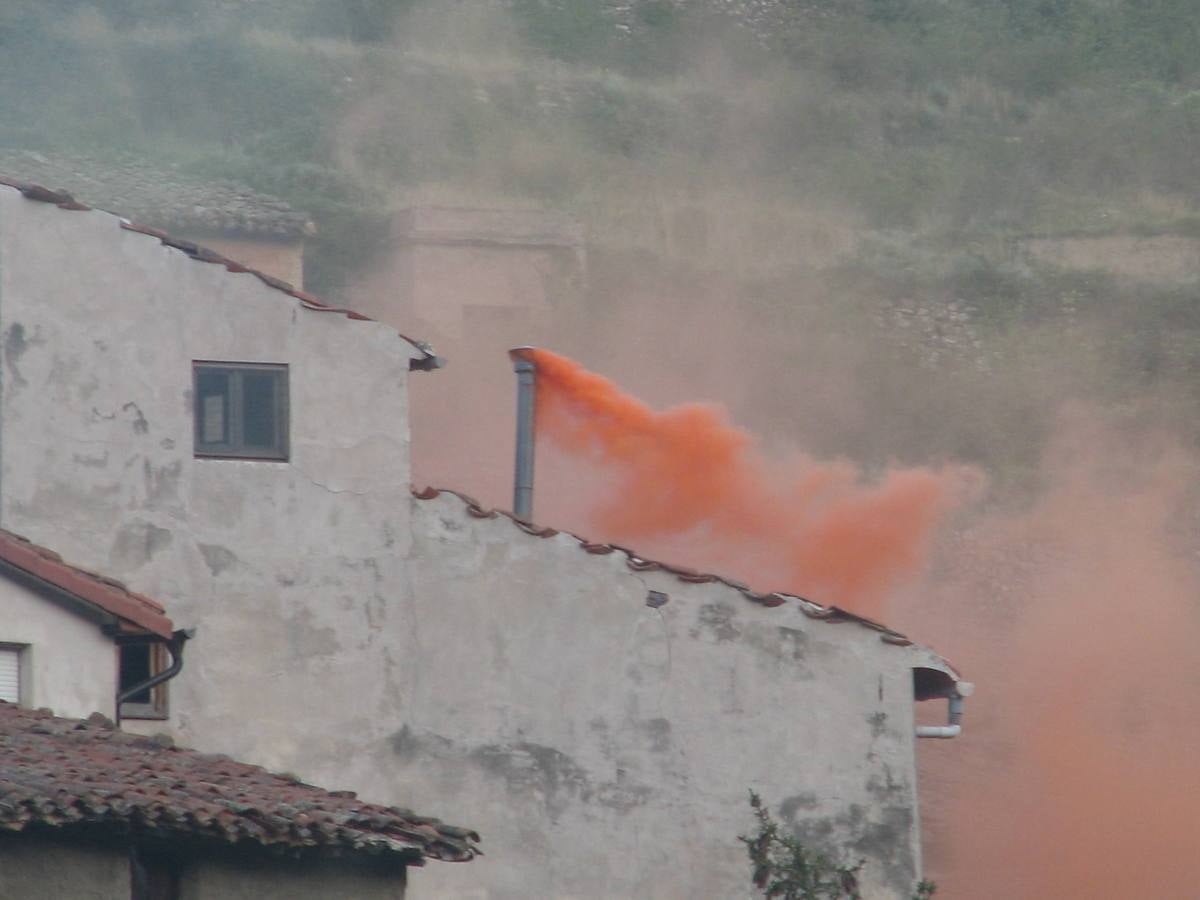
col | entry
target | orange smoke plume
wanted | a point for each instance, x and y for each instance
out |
(691, 486)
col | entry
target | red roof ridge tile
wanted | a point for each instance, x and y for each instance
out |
(105, 593)
(638, 563)
(63, 200)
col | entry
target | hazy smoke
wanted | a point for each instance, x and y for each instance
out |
(1069, 600)
(1078, 618)
(690, 485)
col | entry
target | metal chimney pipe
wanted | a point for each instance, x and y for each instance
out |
(526, 391)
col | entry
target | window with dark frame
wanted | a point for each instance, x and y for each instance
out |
(153, 875)
(241, 410)
(140, 661)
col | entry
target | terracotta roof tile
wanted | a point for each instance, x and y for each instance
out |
(99, 591)
(63, 773)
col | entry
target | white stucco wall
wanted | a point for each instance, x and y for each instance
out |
(67, 663)
(606, 749)
(211, 878)
(32, 867)
(286, 569)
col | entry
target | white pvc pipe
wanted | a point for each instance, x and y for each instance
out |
(939, 731)
(954, 714)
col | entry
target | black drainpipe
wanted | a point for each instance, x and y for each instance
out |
(175, 648)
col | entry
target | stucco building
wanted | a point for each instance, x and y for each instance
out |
(241, 452)
(75, 641)
(455, 272)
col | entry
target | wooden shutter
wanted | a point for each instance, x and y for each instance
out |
(10, 674)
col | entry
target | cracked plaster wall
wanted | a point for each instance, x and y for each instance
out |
(605, 749)
(287, 570)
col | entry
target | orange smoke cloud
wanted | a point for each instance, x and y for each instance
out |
(693, 488)
(1076, 775)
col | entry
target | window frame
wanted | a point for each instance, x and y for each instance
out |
(22, 654)
(159, 705)
(235, 447)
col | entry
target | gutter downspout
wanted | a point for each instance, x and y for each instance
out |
(526, 397)
(175, 648)
(954, 713)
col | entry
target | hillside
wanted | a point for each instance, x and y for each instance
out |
(884, 168)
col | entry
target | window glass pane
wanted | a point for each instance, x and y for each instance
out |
(10, 674)
(212, 407)
(135, 668)
(259, 409)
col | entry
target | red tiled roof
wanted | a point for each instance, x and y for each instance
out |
(71, 773)
(103, 593)
(65, 201)
(638, 563)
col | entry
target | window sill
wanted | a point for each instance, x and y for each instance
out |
(143, 711)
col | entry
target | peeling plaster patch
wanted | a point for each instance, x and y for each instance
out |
(554, 778)
(887, 841)
(886, 789)
(717, 620)
(91, 462)
(162, 484)
(782, 646)
(790, 805)
(140, 425)
(658, 731)
(881, 836)
(878, 723)
(136, 544)
(218, 558)
(15, 345)
(409, 746)
(307, 639)
(531, 771)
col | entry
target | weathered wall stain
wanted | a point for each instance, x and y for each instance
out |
(307, 639)
(217, 558)
(14, 347)
(716, 620)
(138, 421)
(137, 543)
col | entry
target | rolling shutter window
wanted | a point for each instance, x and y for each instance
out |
(10, 674)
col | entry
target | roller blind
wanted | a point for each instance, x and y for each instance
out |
(10, 674)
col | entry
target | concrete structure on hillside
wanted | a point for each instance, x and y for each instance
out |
(90, 813)
(459, 271)
(261, 231)
(1164, 258)
(241, 453)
